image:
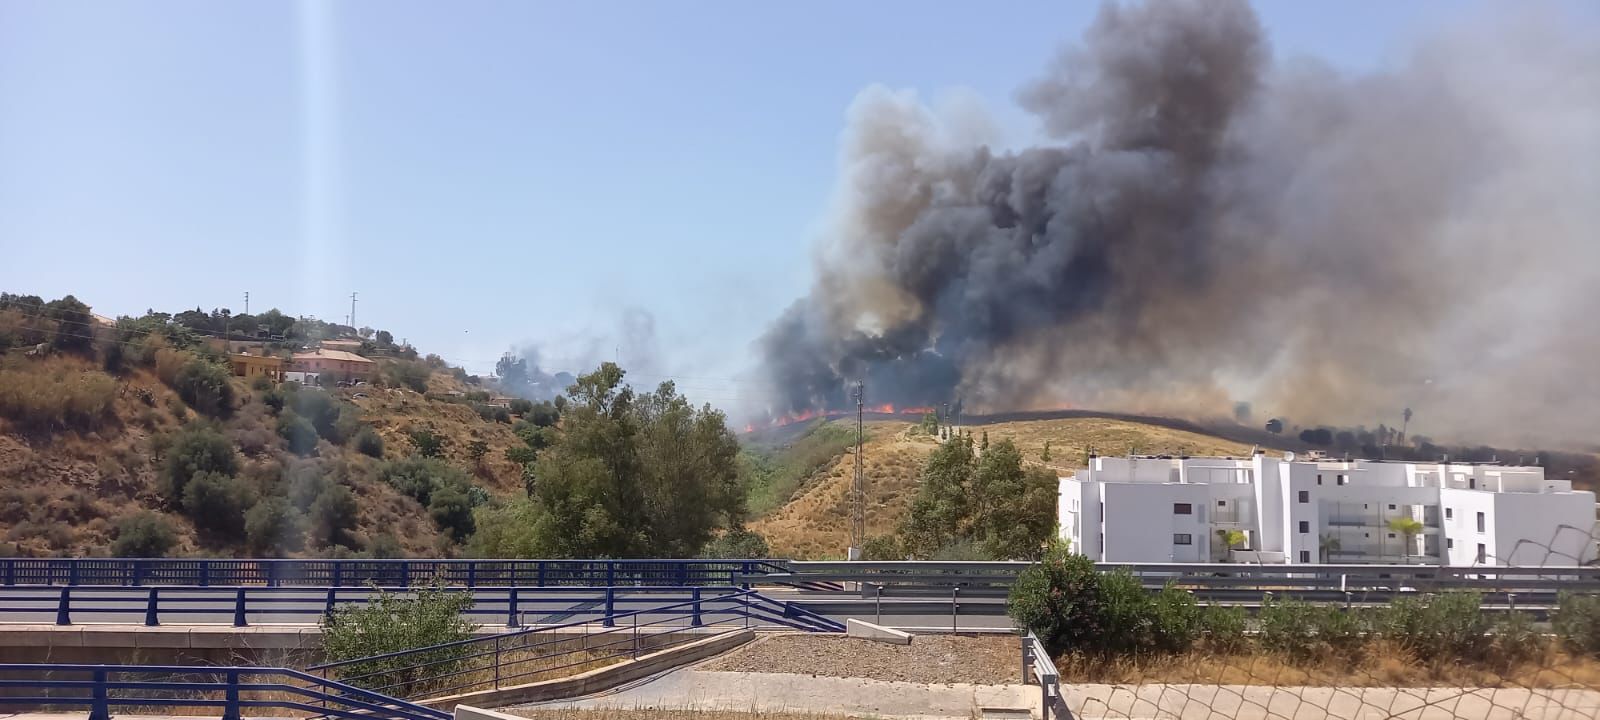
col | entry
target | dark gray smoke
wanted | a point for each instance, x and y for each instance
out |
(1212, 229)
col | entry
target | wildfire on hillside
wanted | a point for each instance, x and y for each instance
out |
(810, 414)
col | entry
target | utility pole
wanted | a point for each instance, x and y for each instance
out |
(858, 492)
(247, 302)
(352, 311)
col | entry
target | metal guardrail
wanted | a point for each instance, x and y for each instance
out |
(232, 690)
(515, 605)
(388, 573)
(524, 656)
(1036, 663)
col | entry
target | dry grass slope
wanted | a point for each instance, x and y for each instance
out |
(815, 523)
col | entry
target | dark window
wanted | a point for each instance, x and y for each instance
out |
(1449, 543)
(1305, 496)
(1182, 539)
(1222, 503)
(1305, 556)
(1319, 478)
(1339, 479)
(1391, 535)
(1391, 507)
(1364, 506)
(1449, 513)
(1472, 483)
(1483, 553)
(1182, 509)
(1305, 527)
(1480, 522)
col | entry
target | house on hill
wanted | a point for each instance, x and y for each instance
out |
(348, 345)
(338, 364)
(252, 366)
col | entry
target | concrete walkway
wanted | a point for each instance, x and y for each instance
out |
(773, 692)
(1254, 702)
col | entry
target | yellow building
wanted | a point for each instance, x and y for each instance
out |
(251, 366)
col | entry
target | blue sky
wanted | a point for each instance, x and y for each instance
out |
(490, 174)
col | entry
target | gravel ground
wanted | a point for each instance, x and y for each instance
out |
(982, 659)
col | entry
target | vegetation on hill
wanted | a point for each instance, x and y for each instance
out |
(622, 475)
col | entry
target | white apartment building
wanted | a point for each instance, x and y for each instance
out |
(1314, 510)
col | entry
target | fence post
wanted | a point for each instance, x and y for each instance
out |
(611, 573)
(1027, 650)
(11, 572)
(329, 609)
(1511, 602)
(472, 573)
(100, 709)
(540, 567)
(137, 571)
(338, 577)
(230, 710)
(610, 609)
(64, 606)
(636, 636)
(72, 572)
(205, 573)
(238, 608)
(497, 662)
(953, 606)
(405, 573)
(511, 612)
(152, 609)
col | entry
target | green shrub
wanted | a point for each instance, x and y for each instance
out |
(1446, 627)
(49, 401)
(261, 383)
(1576, 622)
(298, 432)
(197, 448)
(217, 503)
(205, 386)
(429, 444)
(420, 477)
(1177, 620)
(737, 543)
(391, 623)
(1222, 629)
(1060, 600)
(451, 509)
(369, 443)
(332, 516)
(521, 407)
(409, 374)
(882, 547)
(273, 526)
(1288, 627)
(1517, 641)
(144, 534)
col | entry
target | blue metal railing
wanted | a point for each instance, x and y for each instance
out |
(523, 656)
(241, 606)
(390, 573)
(232, 690)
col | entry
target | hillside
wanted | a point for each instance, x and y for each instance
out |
(814, 522)
(67, 490)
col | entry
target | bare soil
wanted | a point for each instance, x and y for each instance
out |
(977, 659)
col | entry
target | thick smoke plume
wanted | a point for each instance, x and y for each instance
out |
(1210, 228)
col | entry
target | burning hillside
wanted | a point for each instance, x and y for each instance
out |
(1211, 228)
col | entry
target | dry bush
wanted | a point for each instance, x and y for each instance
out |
(44, 400)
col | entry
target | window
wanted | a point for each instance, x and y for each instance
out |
(1472, 483)
(1340, 479)
(1305, 527)
(1305, 556)
(1449, 543)
(1483, 553)
(1449, 513)
(1305, 496)
(1222, 503)
(1319, 478)
(1391, 536)
(1480, 522)
(1182, 509)
(1391, 507)
(1182, 539)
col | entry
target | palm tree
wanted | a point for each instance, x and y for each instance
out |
(1407, 527)
(1231, 539)
(1328, 544)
